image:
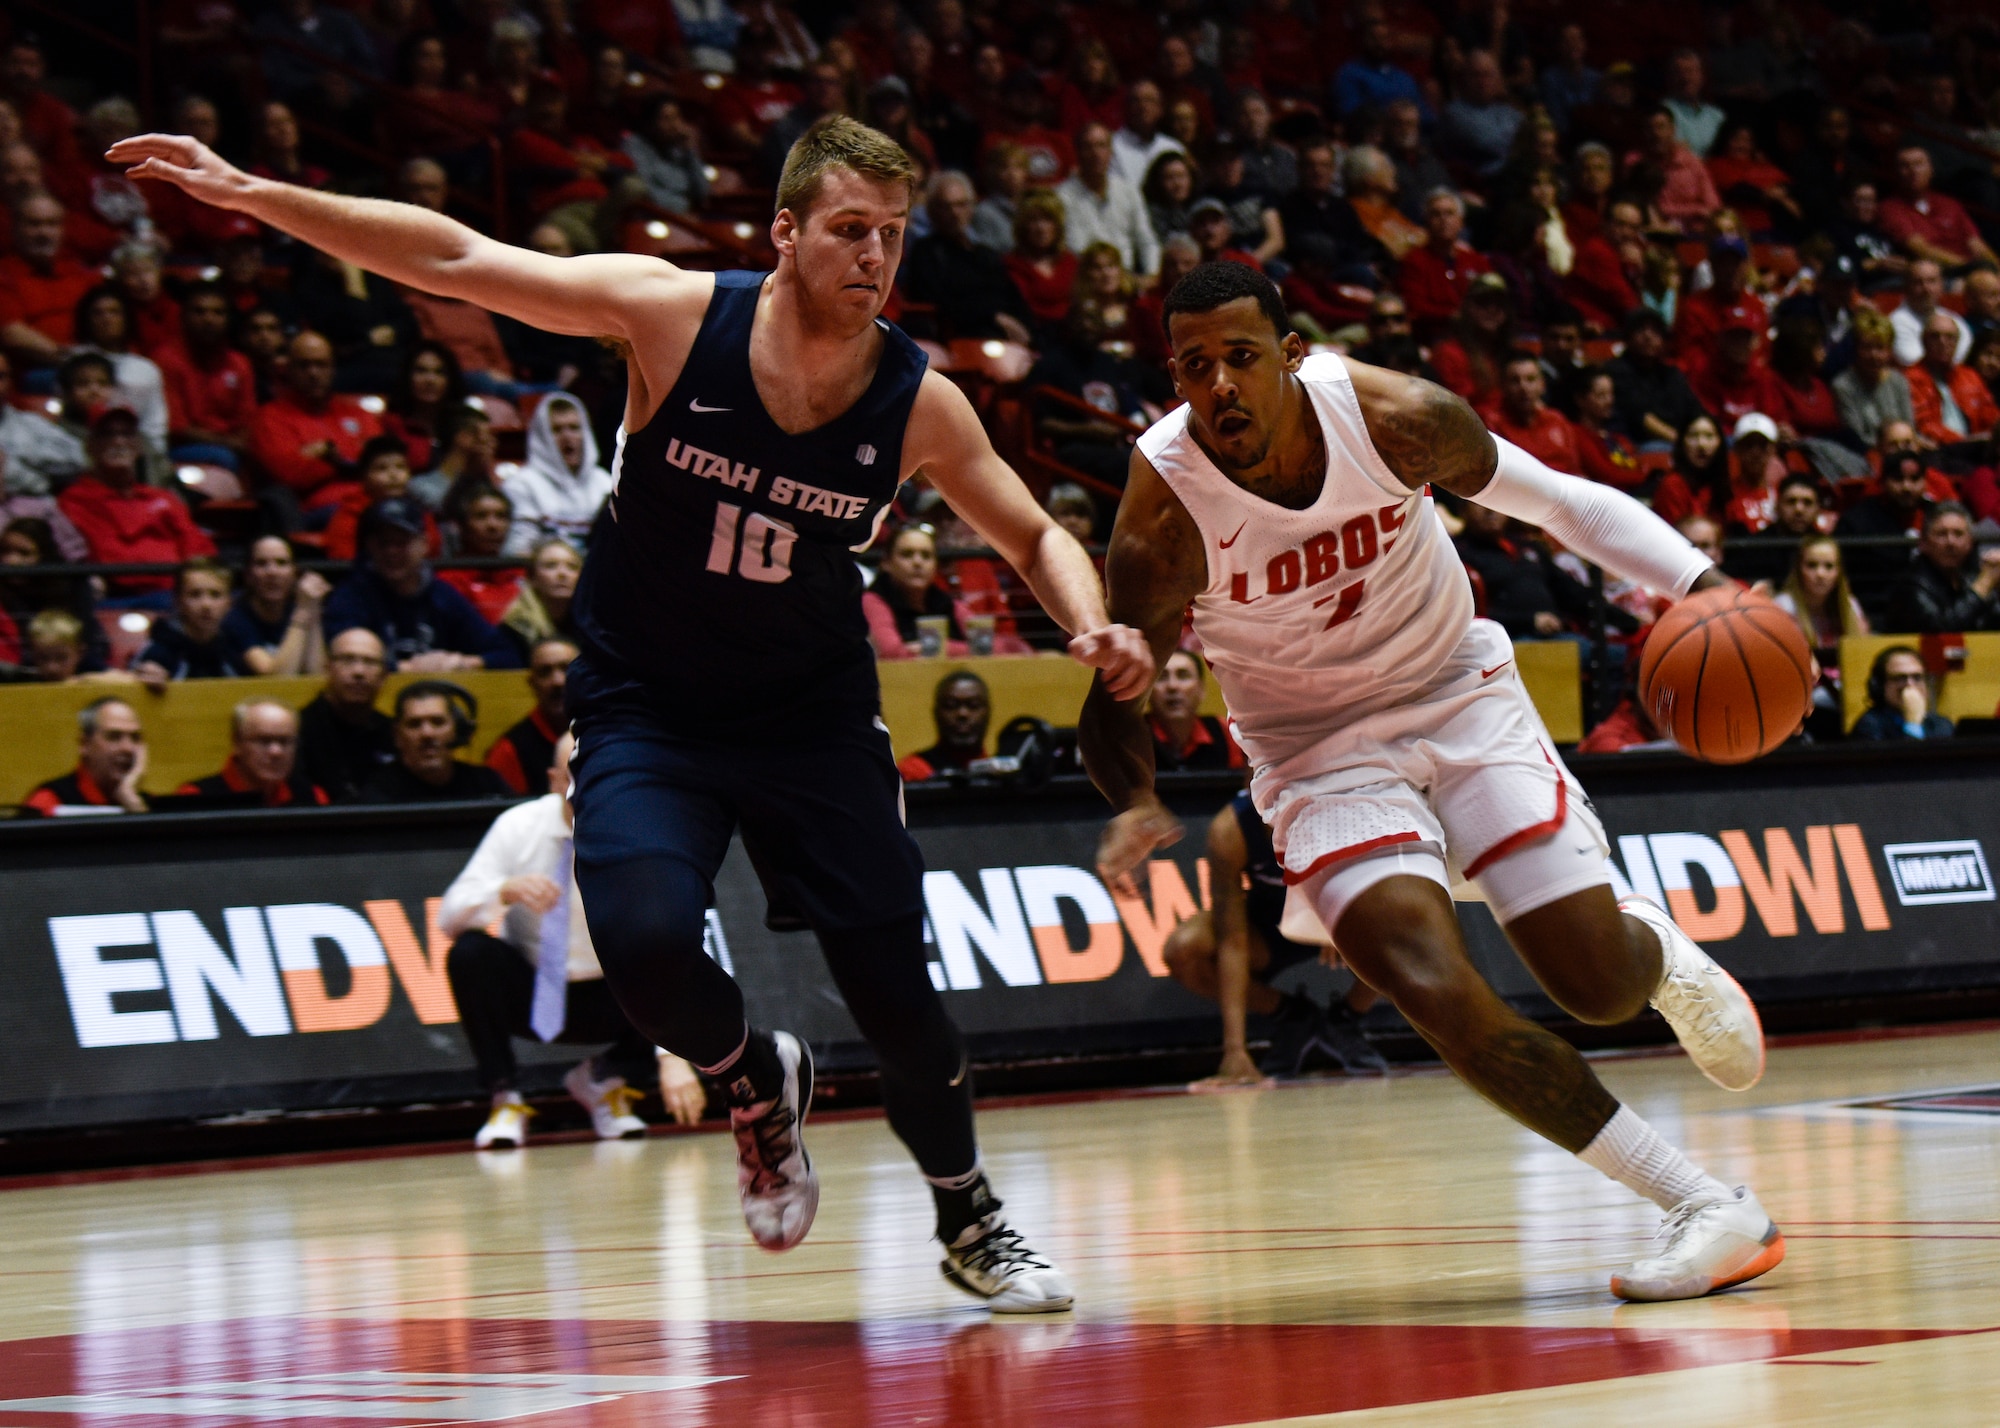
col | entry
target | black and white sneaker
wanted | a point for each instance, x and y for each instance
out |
(992, 1262)
(1342, 1039)
(1297, 1027)
(775, 1179)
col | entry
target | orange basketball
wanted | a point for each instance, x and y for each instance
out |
(1727, 675)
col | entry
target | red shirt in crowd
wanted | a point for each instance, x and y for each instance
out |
(644, 27)
(1433, 287)
(1975, 404)
(220, 395)
(466, 329)
(1050, 153)
(549, 169)
(1937, 218)
(1046, 294)
(45, 301)
(1609, 457)
(1732, 399)
(756, 103)
(1549, 437)
(282, 429)
(490, 591)
(1456, 370)
(343, 529)
(141, 524)
(1809, 410)
(1597, 285)
(1701, 318)
(75, 789)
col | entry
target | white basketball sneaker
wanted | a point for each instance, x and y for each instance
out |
(507, 1127)
(1709, 1245)
(774, 1175)
(992, 1262)
(609, 1102)
(1714, 1017)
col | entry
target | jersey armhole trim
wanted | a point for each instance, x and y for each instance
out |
(1378, 469)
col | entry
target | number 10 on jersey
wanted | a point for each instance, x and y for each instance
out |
(751, 545)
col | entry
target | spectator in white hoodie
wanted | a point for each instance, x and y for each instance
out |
(561, 488)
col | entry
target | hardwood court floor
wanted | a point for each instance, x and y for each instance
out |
(1376, 1251)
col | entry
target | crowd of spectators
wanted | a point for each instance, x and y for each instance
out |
(1738, 260)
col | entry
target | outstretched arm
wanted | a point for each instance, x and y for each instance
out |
(1427, 435)
(606, 294)
(1155, 567)
(949, 445)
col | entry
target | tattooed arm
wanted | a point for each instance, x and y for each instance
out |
(1155, 565)
(1424, 434)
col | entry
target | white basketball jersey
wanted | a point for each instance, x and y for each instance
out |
(1315, 618)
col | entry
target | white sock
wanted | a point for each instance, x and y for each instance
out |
(507, 1098)
(1632, 1153)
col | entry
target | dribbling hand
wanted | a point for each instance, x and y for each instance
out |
(186, 163)
(1120, 654)
(1129, 838)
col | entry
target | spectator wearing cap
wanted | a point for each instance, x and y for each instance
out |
(1470, 357)
(211, 388)
(262, 764)
(308, 437)
(1141, 140)
(1755, 470)
(1831, 304)
(1435, 278)
(1101, 207)
(124, 521)
(1655, 403)
(343, 737)
(1871, 394)
(524, 755)
(1214, 234)
(1949, 586)
(1687, 194)
(1735, 381)
(1923, 292)
(962, 709)
(966, 283)
(110, 762)
(189, 642)
(1899, 703)
(1522, 415)
(434, 719)
(1696, 120)
(424, 625)
(41, 282)
(1929, 225)
(1948, 400)
(1370, 80)
(1701, 316)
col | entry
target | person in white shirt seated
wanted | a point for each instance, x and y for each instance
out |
(540, 979)
(561, 488)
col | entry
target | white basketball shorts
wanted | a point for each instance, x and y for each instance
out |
(1459, 784)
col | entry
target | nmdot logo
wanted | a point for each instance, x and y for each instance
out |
(1939, 872)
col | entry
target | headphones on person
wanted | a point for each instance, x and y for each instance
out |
(1878, 676)
(457, 699)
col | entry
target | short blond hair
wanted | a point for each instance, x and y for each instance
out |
(838, 142)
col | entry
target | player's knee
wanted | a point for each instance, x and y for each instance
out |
(643, 913)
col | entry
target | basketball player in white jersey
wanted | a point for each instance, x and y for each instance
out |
(1395, 749)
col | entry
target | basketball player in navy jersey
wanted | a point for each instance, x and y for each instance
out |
(726, 675)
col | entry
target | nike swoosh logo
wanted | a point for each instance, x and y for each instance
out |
(1232, 540)
(1489, 673)
(694, 405)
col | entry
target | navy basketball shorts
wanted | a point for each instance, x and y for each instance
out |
(824, 812)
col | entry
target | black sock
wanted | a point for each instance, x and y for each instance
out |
(959, 1207)
(754, 1074)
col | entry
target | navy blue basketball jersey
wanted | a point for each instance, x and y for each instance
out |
(1264, 904)
(722, 588)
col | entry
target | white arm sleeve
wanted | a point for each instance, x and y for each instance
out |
(1604, 526)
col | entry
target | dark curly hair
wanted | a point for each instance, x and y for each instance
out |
(1210, 285)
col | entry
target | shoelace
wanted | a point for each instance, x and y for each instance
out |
(999, 1253)
(1701, 1010)
(1680, 1220)
(766, 1143)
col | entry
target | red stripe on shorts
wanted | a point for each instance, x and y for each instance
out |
(1352, 850)
(1533, 833)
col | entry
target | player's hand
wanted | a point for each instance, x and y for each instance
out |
(1120, 654)
(682, 1090)
(1237, 1069)
(532, 891)
(186, 163)
(1130, 838)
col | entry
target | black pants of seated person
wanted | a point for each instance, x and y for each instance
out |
(495, 990)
